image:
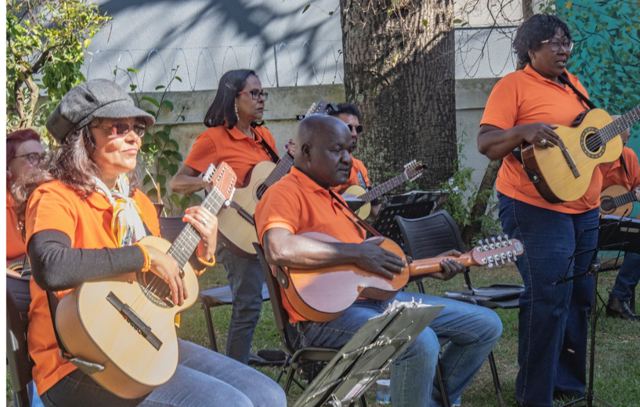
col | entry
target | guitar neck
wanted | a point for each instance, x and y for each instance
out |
(622, 123)
(185, 244)
(282, 168)
(432, 265)
(624, 199)
(383, 188)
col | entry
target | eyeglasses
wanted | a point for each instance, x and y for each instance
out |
(256, 93)
(555, 45)
(33, 158)
(359, 129)
(122, 129)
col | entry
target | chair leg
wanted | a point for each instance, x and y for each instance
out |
(444, 397)
(496, 379)
(420, 285)
(212, 333)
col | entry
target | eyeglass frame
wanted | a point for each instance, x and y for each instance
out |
(28, 157)
(555, 46)
(115, 131)
(255, 94)
(359, 128)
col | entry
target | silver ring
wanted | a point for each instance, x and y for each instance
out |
(203, 221)
(543, 142)
(181, 273)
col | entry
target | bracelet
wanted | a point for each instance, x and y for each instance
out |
(208, 263)
(147, 260)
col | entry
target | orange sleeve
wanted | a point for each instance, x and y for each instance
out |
(149, 213)
(501, 109)
(49, 208)
(277, 209)
(202, 152)
(365, 174)
(15, 242)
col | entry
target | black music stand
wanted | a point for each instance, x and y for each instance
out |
(619, 233)
(411, 205)
(367, 355)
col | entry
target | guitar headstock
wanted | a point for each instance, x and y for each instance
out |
(320, 106)
(222, 178)
(413, 169)
(497, 251)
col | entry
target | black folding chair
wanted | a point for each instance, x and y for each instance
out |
(20, 365)
(436, 233)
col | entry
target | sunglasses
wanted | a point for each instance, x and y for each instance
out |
(557, 45)
(359, 129)
(122, 129)
(256, 94)
(33, 158)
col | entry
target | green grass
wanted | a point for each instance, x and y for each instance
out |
(617, 353)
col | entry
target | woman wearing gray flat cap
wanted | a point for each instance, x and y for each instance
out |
(83, 223)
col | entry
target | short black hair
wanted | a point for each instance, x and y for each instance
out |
(532, 32)
(222, 109)
(346, 108)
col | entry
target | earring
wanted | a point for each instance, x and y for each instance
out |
(235, 108)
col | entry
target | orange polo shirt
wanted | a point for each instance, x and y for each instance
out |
(15, 241)
(217, 144)
(299, 205)
(524, 97)
(87, 222)
(614, 173)
(358, 176)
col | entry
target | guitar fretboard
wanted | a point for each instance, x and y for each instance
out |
(186, 242)
(282, 168)
(383, 188)
(623, 199)
(619, 125)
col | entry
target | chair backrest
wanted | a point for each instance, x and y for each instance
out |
(171, 226)
(287, 332)
(18, 299)
(430, 235)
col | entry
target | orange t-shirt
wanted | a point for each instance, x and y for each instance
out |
(299, 205)
(217, 144)
(358, 176)
(15, 241)
(615, 174)
(87, 222)
(524, 97)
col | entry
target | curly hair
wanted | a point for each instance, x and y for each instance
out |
(532, 32)
(222, 109)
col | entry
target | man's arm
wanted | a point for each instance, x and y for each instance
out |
(284, 248)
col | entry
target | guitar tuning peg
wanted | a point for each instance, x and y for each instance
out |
(493, 239)
(499, 237)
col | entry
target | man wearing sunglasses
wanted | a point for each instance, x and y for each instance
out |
(350, 114)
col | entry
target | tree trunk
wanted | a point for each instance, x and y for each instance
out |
(399, 69)
(481, 201)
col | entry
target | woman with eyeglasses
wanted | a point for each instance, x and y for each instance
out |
(235, 135)
(559, 238)
(24, 154)
(84, 221)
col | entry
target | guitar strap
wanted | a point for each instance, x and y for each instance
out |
(268, 149)
(354, 217)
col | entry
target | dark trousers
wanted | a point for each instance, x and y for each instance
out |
(553, 319)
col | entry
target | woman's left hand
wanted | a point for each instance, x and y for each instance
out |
(206, 224)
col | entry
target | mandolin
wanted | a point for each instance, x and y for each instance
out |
(323, 294)
(563, 173)
(617, 200)
(121, 331)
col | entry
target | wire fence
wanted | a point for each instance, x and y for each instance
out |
(480, 53)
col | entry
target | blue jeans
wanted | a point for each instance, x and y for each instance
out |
(245, 277)
(472, 332)
(203, 378)
(553, 319)
(628, 277)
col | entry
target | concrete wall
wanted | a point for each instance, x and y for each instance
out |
(285, 103)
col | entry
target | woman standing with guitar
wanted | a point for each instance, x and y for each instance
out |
(84, 221)
(559, 238)
(235, 136)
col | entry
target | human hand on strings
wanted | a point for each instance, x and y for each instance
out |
(166, 267)
(450, 267)
(375, 259)
(539, 134)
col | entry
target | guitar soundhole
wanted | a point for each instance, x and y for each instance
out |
(156, 290)
(261, 190)
(592, 143)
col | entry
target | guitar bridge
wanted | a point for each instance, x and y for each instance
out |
(134, 320)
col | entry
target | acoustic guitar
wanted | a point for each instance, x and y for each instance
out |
(412, 170)
(236, 223)
(121, 331)
(617, 200)
(563, 173)
(323, 294)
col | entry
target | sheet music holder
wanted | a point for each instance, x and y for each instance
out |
(411, 205)
(367, 355)
(619, 233)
